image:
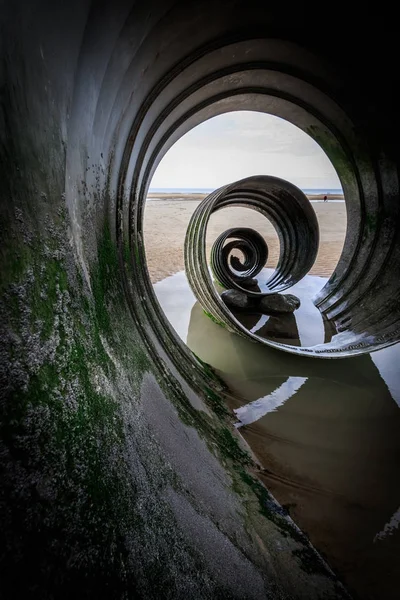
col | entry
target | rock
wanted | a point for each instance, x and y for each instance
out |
(275, 304)
(249, 282)
(294, 299)
(236, 299)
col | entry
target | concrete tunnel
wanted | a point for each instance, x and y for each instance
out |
(122, 473)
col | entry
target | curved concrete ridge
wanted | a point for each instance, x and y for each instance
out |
(288, 81)
(97, 499)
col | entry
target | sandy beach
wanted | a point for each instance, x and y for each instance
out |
(167, 217)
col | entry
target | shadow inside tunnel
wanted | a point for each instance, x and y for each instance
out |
(327, 433)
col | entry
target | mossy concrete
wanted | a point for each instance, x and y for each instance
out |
(87, 479)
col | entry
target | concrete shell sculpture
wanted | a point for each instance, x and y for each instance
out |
(295, 222)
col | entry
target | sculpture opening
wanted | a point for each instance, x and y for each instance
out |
(221, 148)
(288, 408)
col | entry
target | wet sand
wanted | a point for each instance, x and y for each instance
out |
(167, 217)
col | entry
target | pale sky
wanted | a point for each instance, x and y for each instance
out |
(239, 144)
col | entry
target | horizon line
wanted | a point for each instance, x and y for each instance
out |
(215, 188)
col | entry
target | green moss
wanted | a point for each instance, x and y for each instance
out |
(44, 282)
(216, 403)
(134, 359)
(67, 435)
(137, 254)
(371, 222)
(70, 448)
(217, 321)
(50, 279)
(229, 447)
(14, 260)
(79, 279)
(210, 372)
(126, 253)
(105, 281)
(139, 360)
(270, 509)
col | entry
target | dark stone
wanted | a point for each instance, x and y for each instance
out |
(237, 299)
(250, 282)
(275, 304)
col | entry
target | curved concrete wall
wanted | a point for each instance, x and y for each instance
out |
(122, 475)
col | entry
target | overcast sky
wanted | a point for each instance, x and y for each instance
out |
(239, 144)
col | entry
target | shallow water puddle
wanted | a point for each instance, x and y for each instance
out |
(326, 431)
(253, 411)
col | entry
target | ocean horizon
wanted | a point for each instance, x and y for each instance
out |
(176, 190)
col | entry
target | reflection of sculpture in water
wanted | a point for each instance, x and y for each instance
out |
(328, 436)
(282, 328)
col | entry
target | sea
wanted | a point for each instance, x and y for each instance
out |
(308, 191)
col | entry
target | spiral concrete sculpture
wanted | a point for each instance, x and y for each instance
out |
(289, 211)
(295, 222)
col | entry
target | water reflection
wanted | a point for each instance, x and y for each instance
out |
(305, 327)
(281, 329)
(253, 411)
(328, 436)
(326, 431)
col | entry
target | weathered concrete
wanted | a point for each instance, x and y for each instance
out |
(96, 501)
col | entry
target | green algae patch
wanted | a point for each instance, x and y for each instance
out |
(371, 222)
(216, 403)
(61, 425)
(269, 508)
(211, 374)
(104, 279)
(14, 261)
(230, 448)
(49, 280)
(214, 319)
(137, 254)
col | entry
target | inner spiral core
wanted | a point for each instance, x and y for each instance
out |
(228, 270)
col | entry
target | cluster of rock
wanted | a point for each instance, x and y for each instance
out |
(271, 304)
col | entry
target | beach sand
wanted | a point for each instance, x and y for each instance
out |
(167, 217)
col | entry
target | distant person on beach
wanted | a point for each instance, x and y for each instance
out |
(325, 198)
